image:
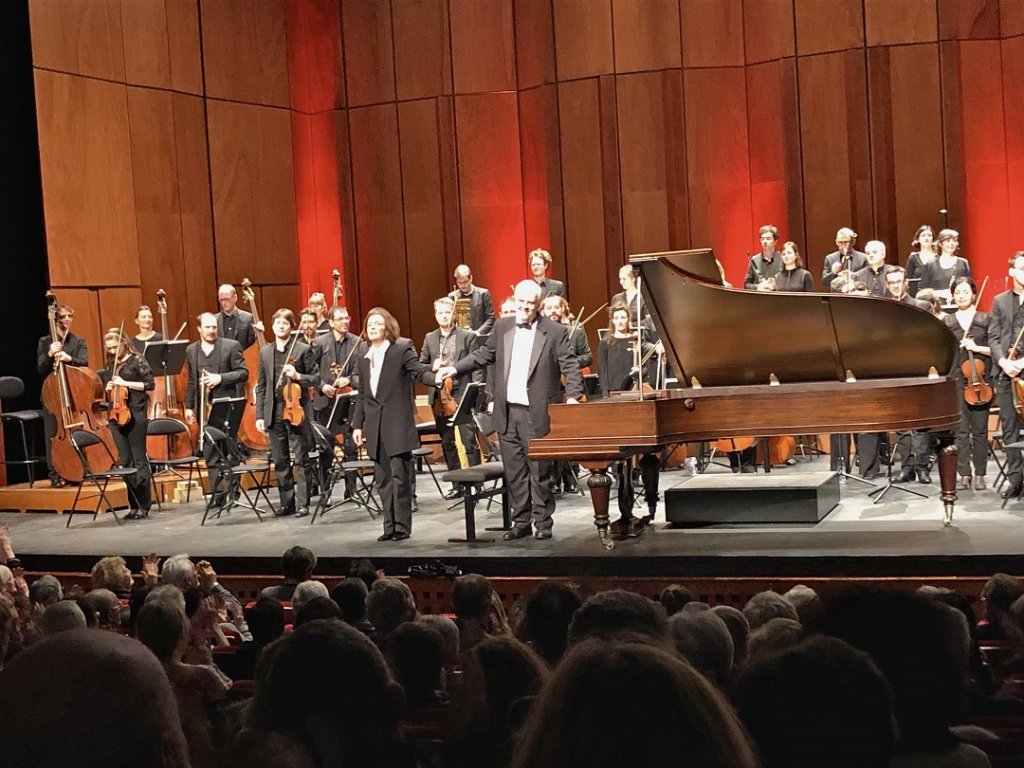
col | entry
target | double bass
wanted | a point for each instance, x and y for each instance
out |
(76, 397)
(180, 445)
(247, 432)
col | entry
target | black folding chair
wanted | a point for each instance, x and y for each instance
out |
(362, 493)
(167, 428)
(227, 472)
(12, 387)
(81, 440)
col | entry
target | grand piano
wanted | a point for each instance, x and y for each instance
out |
(762, 364)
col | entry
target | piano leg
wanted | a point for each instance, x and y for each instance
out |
(947, 475)
(600, 491)
(650, 471)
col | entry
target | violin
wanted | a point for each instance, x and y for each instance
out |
(445, 404)
(291, 393)
(977, 391)
(118, 393)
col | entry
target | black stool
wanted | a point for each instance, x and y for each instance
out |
(471, 478)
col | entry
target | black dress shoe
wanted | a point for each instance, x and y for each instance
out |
(56, 481)
(137, 514)
(905, 476)
(386, 537)
(1014, 490)
(519, 532)
(285, 512)
(399, 536)
(542, 533)
(924, 477)
(454, 493)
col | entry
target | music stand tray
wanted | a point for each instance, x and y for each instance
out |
(341, 411)
(166, 358)
(470, 397)
(226, 415)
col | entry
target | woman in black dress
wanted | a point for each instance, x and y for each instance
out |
(126, 368)
(616, 352)
(924, 253)
(793, 278)
(940, 273)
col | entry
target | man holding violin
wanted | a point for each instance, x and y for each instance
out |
(1005, 325)
(446, 346)
(288, 371)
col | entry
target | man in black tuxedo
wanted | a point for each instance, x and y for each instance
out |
(220, 359)
(530, 353)
(385, 418)
(1005, 322)
(445, 346)
(481, 308)
(290, 444)
(539, 262)
(837, 272)
(232, 322)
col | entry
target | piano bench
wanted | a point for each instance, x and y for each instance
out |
(470, 482)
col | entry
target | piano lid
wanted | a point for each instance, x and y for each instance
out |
(727, 337)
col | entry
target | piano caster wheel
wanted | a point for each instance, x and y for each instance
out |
(606, 541)
(947, 516)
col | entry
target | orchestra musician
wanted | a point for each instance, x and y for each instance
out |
(530, 353)
(630, 296)
(308, 324)
(912, 446)
(842, 263)
(72, 350)
(444, 346)
(128, 369)
(924, 253)
(873, 275)
(971, 329)
(146, 334)
(539, 261)
(318, 303)
(481, 307)
(1004, 326)
(232, 321)
(793, 277)
(285, 363)
(384, 417)
(940, 273)
(339, 373)
(764, 266)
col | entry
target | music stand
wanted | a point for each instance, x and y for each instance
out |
(166, 358)
(341, 411)
(467, 403)
(226, 415)
(890, 483)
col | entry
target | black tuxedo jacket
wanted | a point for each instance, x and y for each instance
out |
(230, 365)
(390, 412)
(309, 376)
(481, 310)
(245, 334)
(326, 346)
(464, 344)
(549, 358)
(551, 287)
(73, 345)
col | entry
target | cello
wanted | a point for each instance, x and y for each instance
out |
(76, 398)
(247, 431)
(180, 445)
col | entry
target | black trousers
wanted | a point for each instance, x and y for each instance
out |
(972, 439)
(394, 477)
(451, 451)
(529, 482)
(839, 446)
(913, 448)
(130, 440)
(289, 447)
(1011, 428)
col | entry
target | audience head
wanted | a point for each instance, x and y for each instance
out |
(104, 605)
(84, 725)
(776, 635)
(306, 591)
(297, 564)
(471, 596)
(806, 602)
(837, 695)
(549, 611)
(701, 637)
(350, 595)
(6, 579)
(449, 632)
(162, 628)
(389, 604)
(265, 620)
(999, 591)
(673, 598)
(501, 671)
(61, 616)
(46, 590)
(111, 573)
(315, 608)
(165, 593)
(362, 568)
(686, 722)
(619, 613)
(179, 571)
(768, 605)
(416, 655)
(739, 629)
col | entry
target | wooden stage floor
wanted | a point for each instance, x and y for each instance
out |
(903, 536)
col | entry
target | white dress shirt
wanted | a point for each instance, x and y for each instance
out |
(519, 365)
(376, 357)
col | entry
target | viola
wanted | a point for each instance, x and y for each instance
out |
(445, 404)
(977, 391)
(291, 395)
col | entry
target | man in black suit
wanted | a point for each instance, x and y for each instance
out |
(290, 444)
(232, 322)
(340, 351)
(530, 353)
(873, 275)
(481, 308)
(385, 418)
(1005, 322)
(70, 349)
(764, 266)
(444, 346)
(539, 262)
(219, 359)
(836, 274)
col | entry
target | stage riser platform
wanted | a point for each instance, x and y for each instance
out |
(752, 498)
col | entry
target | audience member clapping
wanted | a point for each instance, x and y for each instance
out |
(549, 611)
(388, 605)
(113, 574)
(686, 721)
(701, 637)
(297, 564)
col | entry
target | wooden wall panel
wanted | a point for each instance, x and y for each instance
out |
(85, 162)
(767, 29)
(712, 32)
(244, 50)
(275, 297)
(346, 205)
(534, 41)
(891, 22)
(541, 169)
(1013, 90)
(490, 190)
(369, 52)
(429, 269)
(423, 55)
(183, 44)
(968, 19)
(117, 306)
(252, 177)
(717, 165)
(483, 51)
(646, 34)
(316, 72)
(828, 25)
(583, 38)
(1011, 19)
(447, 158)
(377, 192)
(146, 51)
(83, 37)
(834, 140)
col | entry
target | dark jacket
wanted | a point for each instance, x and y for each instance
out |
(73, 345)
(481, 310)
(230, 364)
(135, 368)
(309, 376)
(244, 334)
(464, 344)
